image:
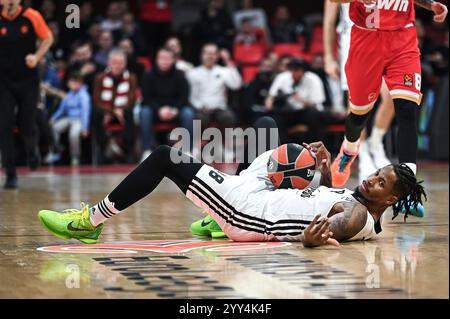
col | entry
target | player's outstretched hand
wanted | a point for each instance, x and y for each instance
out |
(440, 11)
(322, 155)
(318, 234)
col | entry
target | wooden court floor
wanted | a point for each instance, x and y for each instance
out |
(148, 251)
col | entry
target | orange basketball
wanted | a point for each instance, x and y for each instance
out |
(291, 166)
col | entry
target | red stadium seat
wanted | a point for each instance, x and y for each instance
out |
(292, 49)
(163, 127)
(249, 73)
(317, 40)
(248, 53)
(318, 32)
(113, 127)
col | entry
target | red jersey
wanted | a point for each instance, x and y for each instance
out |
(384, 15)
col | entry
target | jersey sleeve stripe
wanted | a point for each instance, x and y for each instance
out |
(264, 221)
(230, 216)
(236, 222)
(40, 26)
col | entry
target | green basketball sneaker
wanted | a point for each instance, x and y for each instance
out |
(71, 223)
(207, 227)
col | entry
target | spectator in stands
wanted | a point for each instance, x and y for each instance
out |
(296, 97)
(434, 55)
(114, 98)
(48, 10)
(209, 83)
(247, 11)
(174, 44)
(255, 94)
(106, 44)
(123, 7)
(215, 26)
(50, 95)
(282, 63)
(156, 20)
(83, 63)
(135, 67)
(132, 31)
(282, 28)
(73, 115)
(50, 84)
(58, 50)
(165, 93)
(113, 19)
(334, 105)
(93, 34)
(248, 34)
(86, 16)
(331, 86)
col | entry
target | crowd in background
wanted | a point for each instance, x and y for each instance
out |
(119, 83)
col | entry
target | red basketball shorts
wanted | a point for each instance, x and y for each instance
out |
(374, 55)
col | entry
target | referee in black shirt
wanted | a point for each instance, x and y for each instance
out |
(20, 29)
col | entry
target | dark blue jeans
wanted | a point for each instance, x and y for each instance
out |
(148, 117)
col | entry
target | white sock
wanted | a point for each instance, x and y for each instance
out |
(413, 167)
(364, 147)
(102, 211)
(376, 137)
(351, 147)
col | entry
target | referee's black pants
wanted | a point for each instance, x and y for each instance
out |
(24, 95)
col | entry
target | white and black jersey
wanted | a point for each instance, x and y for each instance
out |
(248, 208)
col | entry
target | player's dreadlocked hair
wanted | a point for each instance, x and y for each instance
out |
(408, 189)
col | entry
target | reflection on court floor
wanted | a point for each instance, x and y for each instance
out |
(148, 251)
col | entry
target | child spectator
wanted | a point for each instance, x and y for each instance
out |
(73, 115)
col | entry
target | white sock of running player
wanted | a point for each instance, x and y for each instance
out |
(351, 148)
(102, 211)
(413, 167)
(364, 148)
(376, 137)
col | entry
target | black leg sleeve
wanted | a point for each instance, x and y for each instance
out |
(406, 113)
(144, 179)
(266, 123)
(354, 124)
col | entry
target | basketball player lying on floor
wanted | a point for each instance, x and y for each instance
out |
(247, 207)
